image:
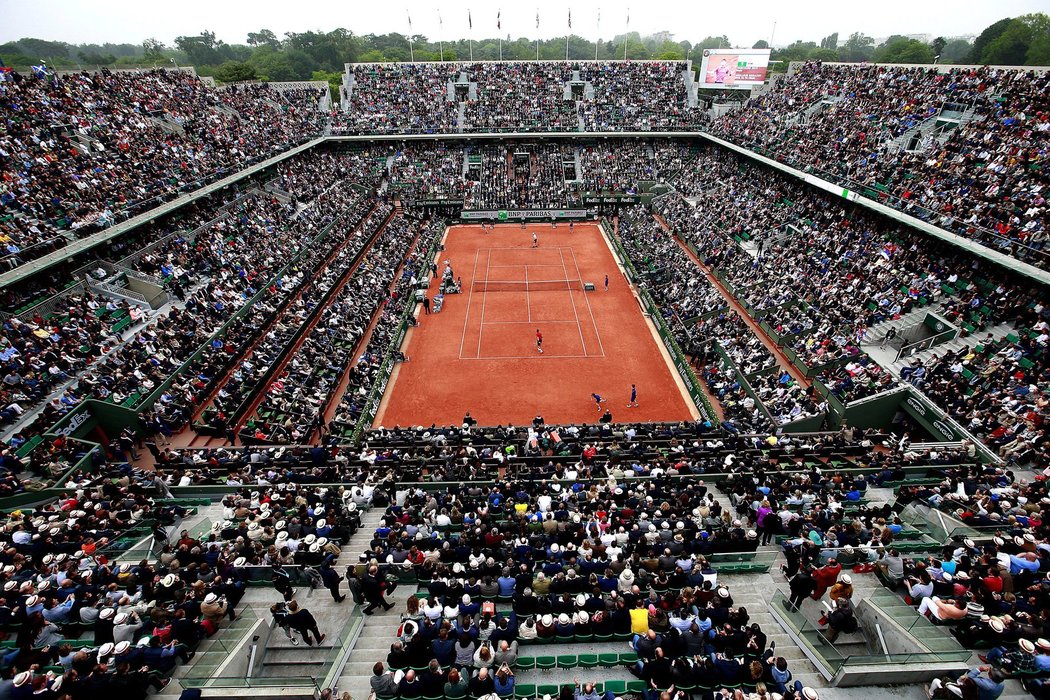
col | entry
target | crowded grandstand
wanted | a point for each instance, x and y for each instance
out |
(214, 295)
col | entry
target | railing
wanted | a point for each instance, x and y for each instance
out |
(132, 260)
(375, 396)
(47, 307)
(1039, 257)
(116, 291)
(926, 343)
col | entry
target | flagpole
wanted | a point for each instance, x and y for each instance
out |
(598, 29)
(567, 36)
(537, 33)
(441, 36)
(411, 49)
(470, 23)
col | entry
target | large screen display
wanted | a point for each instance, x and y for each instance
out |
(739, 69)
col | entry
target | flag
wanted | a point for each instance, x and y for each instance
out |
(470, 20)
(570, 18)
(409, 21)
(599, 18)
(39, 71)
(628, 16)
(440, 23)
(537, 18)
(498, 25)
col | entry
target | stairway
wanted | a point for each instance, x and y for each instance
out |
(885, 356)
(379, 630)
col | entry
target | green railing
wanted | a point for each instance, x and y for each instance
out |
(315, 243)
(678, 358)
(375, 396)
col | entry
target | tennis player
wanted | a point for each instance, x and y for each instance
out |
(633, 403)
(539, 341)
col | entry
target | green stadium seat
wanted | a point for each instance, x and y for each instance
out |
(546, 663)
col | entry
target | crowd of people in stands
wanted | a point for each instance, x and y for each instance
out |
(394, 98)
(993, 390)
(520, 96)
(990, 589)
(63, 577)
(577, 561)
(975, 175)
(639, 96)
(90, 149)
(294, 404)
(822, 275)
(512, 177)
(367, 371)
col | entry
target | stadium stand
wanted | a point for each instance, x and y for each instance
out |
(958, 147)
(232, 446)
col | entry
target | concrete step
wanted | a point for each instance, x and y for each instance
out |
(300, 654)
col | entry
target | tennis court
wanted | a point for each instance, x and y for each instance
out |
(479, 353)
(517, 291)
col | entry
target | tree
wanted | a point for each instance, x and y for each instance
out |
(1011, 47)
(990, 34)
(39, 49)
(956, 51)
(823, 55)
(859, 47)
(761, 44)
(263, 37)
(797, 51)
(202, 50)
(831, 41)
(937, 45)
(153, 50)
(904, 50)
(235, 71)
(1039, 49)
(97, 59)
(377, 56)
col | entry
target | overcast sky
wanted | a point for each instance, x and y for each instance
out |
(118, 21)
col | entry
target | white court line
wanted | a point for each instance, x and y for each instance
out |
(484, 296)
(504, 323)
(573, 302)
(473, 276)
(529, 357)
(528, 301)
(579, 276)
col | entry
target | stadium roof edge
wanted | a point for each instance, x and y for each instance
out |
(983, 251)
(36, 266)
(75, 248)
(939, 67)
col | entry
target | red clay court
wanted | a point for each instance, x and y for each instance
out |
(479, 353)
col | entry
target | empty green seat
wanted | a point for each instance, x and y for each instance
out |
(544, 663)
(566, 661)
(525, 663)
(587, 660)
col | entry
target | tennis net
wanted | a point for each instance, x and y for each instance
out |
(522, 286)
